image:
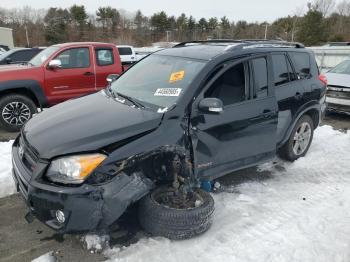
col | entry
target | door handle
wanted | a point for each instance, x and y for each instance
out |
(298, 96)
(88, 74)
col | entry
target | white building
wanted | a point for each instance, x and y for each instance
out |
(6, 37)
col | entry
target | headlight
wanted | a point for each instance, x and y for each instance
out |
(73, 169)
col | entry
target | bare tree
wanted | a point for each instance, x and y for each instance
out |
(343, 8)
(324, 6)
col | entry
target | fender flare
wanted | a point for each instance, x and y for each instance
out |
(32, 86)
(290, 129)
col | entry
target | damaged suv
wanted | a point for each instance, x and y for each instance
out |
(169, 126)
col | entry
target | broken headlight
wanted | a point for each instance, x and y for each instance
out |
(73, 169)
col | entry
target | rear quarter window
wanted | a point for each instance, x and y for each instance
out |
(302, 64)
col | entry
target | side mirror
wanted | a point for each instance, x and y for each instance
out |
(211, 105)
(55, 64)
(112, 77)
(8, 60)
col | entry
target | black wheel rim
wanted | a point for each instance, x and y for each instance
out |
(16, 113)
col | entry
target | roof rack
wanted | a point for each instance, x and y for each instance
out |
(252, 43)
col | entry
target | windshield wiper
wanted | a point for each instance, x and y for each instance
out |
(132, 100)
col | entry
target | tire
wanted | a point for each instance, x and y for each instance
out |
(288, 151)
(161, 220)
(15, 111)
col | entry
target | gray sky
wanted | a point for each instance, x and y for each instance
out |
(250, 10)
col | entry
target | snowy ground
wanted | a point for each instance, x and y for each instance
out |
(290, 212)
(7, 186)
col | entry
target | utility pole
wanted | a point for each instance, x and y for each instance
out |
(167, 35)
(25, 27)
(266, 25)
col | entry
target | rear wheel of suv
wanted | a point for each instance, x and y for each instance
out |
(161, 215)
(299, 141)
(15, 111)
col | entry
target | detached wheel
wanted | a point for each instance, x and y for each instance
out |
(299, 141)
(162, 213)
(15, 111)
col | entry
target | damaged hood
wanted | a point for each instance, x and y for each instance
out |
(86, 124)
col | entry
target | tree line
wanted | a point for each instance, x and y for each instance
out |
(324, 21)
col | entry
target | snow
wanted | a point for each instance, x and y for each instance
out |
(7, 185)
(95, 243)
(48, 257)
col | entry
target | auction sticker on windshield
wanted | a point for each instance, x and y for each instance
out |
(177, 76)
(168, 92)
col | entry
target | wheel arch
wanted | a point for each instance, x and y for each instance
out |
(312, 111)
(30, 88)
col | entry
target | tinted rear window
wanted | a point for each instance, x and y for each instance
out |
(124, 51)
(281, 72)
(301, 63)
(23, 56)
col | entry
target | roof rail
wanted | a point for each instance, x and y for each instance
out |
(182, 44)
(246, 42)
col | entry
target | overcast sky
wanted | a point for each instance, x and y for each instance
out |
(250, 10)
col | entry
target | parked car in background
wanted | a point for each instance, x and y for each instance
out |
(178, 119)
(56, 74)
(127, 54)
(141, 52)
(4, 48)
(19, 55)
(338, 90)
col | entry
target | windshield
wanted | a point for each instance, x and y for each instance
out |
(158, 80)
(40, 58)
(342, 68)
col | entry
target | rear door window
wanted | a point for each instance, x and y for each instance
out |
(125, 51)
(280, 69)
(104, 56)
(302, 64)
(260, 77)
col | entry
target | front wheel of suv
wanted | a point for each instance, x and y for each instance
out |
(299, 141)
(164, 213)
(15, 111)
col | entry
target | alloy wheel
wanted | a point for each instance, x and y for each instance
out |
(302, 138)
(16, 113)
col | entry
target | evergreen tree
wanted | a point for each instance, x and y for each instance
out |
(312, 29)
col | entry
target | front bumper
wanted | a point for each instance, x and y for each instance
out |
(86, 208)
(338, 105)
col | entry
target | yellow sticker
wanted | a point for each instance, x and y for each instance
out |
(177, 76)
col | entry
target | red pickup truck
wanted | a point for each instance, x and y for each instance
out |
(58, 73)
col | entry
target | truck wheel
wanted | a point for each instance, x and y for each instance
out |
(15, 111)
(299, 141)
(161, 216)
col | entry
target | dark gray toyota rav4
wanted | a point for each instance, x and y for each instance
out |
(174, 122)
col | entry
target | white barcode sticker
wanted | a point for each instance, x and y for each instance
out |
(168, 92)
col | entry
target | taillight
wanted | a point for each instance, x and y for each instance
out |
(323, 79)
